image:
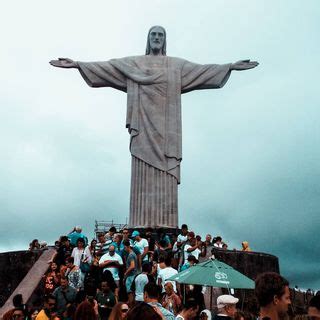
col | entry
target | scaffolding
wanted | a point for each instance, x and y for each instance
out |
(104, 226)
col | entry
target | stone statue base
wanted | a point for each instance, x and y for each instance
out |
(153, 198)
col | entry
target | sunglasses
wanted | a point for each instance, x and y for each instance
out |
(124, 310)
(18, 316)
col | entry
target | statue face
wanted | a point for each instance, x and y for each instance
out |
(156, 39)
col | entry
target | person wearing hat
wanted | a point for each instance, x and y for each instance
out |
(142, 245)
(226, 305)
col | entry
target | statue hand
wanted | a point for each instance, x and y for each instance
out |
(244, 65)
(64, 63)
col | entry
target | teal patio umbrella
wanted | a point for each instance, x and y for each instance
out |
(214, 273)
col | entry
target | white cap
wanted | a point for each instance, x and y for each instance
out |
(226, 299)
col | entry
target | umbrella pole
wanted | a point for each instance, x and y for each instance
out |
(210, 298)
(243, 297)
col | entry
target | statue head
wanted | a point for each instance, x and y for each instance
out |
(156, 42)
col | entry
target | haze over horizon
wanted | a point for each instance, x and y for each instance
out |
(250, 150)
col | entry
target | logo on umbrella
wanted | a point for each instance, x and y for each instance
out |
(220, 275)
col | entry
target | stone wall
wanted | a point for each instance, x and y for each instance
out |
(248, 263)
(13, 268)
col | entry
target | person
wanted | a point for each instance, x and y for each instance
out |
(206, 248)
(64, 251)
(170, 300)
(131, 269)
(117, 242)
(206, 315)
(144, 311)
(314, 307)
(33, 313)
(239, 315)
(112, 231)
(48, 311)
(126, 235)
(73, 273)
(189, 310)
(183, 236)
(119, 311)
(226, 305)
(17, 302)
(76, 234)
(111, 261)
(273, 295)
(165, 273)
(86, 310)
(34, 245)
(191, 261)
(217, 242)
(65, 295)
(151, 294)
(90, 251)
(162, 235)
(43, 245)
(16, 314)
(102, 247)
(154, 83)
(191, 248)
(106, 300)
(245, 246)
(160, 250)
(51, 278)
(78, 252)
(151, 241)
(142, 245)
(196, 292)
(141, 280)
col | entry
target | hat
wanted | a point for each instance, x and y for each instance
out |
(207, 313)
(226, 299)
(135, 233)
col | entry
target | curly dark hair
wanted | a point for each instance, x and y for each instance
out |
(144, 311)
(315, 302)
(268, 285)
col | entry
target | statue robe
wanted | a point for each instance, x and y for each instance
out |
(154, 85)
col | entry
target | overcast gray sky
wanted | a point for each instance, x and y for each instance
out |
(251, 154)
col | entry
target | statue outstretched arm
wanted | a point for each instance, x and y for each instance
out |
(64, 63)
(244, 65)
(210, 76)
(96, 74)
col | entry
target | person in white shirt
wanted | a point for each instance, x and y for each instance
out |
(217, 242)
(183, 236)
(142, 245)
(191, 248)
(78, 253)
(141, 280)
(111, 261)
(165, 273)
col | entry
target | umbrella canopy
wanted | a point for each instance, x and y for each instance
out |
(214, 273)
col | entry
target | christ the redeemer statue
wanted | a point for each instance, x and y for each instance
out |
(154, 83)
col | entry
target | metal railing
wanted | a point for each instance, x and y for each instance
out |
(104, 226)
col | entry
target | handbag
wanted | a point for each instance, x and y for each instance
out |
(84, 266)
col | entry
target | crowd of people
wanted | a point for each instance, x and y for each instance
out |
(123, 275)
